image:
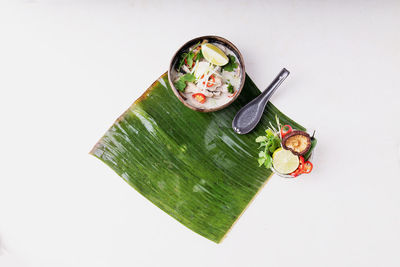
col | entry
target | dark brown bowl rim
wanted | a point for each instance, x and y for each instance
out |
(193, 41)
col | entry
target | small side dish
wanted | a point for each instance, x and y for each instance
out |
(208, 74)
(286, 151)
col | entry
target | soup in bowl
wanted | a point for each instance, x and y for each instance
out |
(207, 73)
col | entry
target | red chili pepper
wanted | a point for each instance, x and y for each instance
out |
(232, 95)
(295, 173)
(301, 158)
(307, 167)
(304, 167)
(209, 84)
(301, 164)
(201, 98)
(285, 130)
(299, 169)
(213, 81)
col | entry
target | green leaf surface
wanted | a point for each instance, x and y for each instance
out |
(261, 139)
(181, 83)
(190, 164)
(230, 88)
(268, 162)
(199, 55)
(189, 58)
(231, 65)
(182, 60)
(261, 161)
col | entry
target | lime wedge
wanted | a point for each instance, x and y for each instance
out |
(214, 55)
(284, 161)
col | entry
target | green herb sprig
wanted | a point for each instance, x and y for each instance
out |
(181, 61)
(199, 55)
(230, 88)
(181, 83)
(190, 57)
(231, 65)
(269, 143)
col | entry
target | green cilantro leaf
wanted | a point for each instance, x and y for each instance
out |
(231, 65)
(189, 59)
(190, 56)
(268, 144)
(268, 162)
(275, 144)
(261, 138)
(182, 60)
(199, 55)
(181, 83)
(263, 144)
(269, 133)
(230, 88)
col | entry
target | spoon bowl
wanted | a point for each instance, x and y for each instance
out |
(249, 116)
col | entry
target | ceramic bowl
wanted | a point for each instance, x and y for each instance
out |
(185, 47)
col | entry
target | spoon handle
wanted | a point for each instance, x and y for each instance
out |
(249, 116)
(266, 95)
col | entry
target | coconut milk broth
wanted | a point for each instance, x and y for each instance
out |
(227, 77)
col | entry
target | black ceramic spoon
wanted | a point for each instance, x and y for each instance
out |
(248, 116)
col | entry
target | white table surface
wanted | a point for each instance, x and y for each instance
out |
(68, 69)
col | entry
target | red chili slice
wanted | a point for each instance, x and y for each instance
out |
(209, 84)
(295, 173)
(299, 169)
(307, 167)
(285, 130)
(301, 158)
(201, 98)
(232, 95)
(304, 167)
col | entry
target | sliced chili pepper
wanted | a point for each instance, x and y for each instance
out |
(304, 167)
(201, 98)
(301, 158)
(301, 164)
(299, 169)
(295, 173)
(213, 81)
(209, 84)
(307, 167)
(232, 95)
(285, 130)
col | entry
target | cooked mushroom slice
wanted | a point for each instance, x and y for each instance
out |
(208, 93)
(216, 93)
(298, 142)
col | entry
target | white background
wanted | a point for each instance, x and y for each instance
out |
(68, 69)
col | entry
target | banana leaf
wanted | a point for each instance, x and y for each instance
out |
(189, 164)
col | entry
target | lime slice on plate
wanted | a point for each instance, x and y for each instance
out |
(284, 161)
(214, 55)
